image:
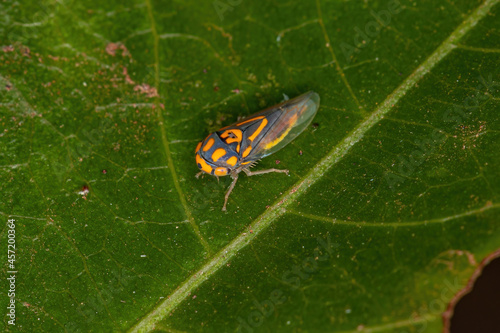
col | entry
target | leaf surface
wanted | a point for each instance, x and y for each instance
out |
(392, 199)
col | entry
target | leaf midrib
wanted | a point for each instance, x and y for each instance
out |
(164, 139)
(148, 322)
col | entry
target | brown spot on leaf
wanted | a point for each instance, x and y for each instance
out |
(128, 80)
(111, 49)
(147, 90)
(26, 51)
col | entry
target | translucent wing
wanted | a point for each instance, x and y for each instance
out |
(289, 119)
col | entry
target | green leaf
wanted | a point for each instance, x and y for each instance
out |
(392, 199)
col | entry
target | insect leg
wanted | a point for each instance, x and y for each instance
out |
(260, 172)
(235, 178)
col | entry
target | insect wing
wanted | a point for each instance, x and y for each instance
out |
(294, 116)
(245, 134)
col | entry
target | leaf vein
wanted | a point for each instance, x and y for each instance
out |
(317, 172)
(164, 138)
(395, 224)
